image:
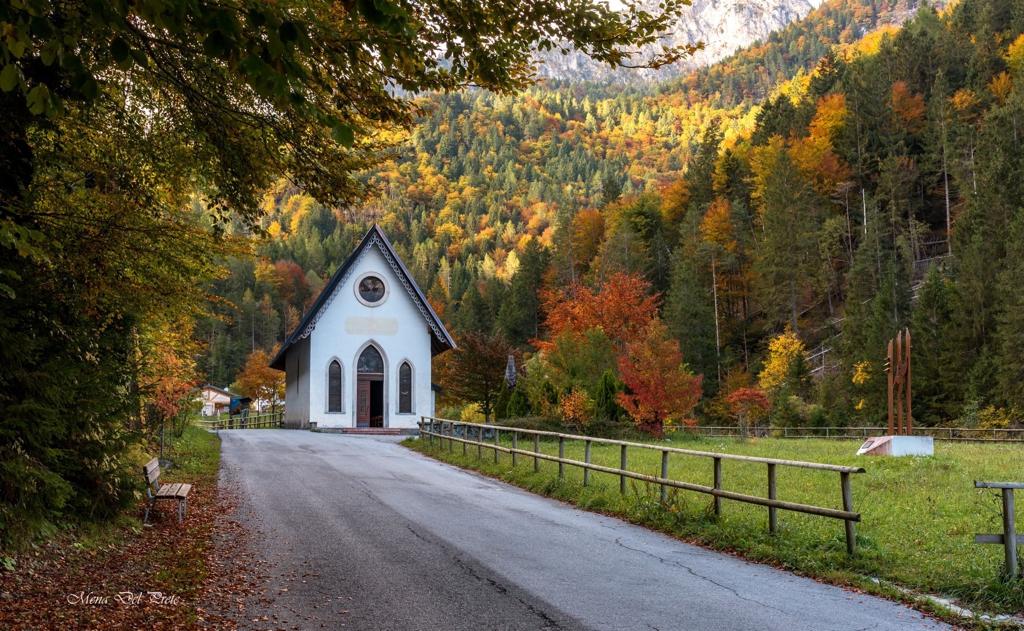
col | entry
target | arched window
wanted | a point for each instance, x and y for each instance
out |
(334, 387)
(405, 388)
(370, 362)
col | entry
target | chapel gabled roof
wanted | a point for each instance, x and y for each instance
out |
(440, 341)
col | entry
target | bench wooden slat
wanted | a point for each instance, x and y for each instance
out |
(152, 471)
(168, 490)
(183, 490)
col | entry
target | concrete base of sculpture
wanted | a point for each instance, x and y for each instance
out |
(898, 446)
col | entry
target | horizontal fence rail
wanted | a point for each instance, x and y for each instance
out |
(449, 433)
(961, 434)
(269, 420)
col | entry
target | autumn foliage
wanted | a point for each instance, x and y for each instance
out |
(748, 405)
(622, 307)
(660, 388)
(259, 381)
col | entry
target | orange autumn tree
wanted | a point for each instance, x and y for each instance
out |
(908, 107)
(815, 155)
(659, 387)
(748, 404)
(622, 308)
(259, 381)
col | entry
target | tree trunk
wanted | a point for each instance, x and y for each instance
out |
(718, 338)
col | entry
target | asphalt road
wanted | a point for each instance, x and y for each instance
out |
(362, 533)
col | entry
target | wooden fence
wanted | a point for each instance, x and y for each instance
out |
(956, 434)
(268, 420)
(450, 432)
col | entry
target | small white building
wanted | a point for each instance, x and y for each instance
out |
(361, 357)
(215, 400)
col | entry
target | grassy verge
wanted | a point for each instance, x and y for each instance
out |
(80, 578)
(196, 460)
(919, 515)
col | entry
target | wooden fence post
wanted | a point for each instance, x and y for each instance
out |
(479, 443)
(451, 437)
(718, 485)
(496, 439)
(773, 522)
(664, 475)
(586, 459)
(622, 465)
(561, 456)
(1009, 534)
(515, 446)
(536, 450)
(1010, 537)
(851, 535)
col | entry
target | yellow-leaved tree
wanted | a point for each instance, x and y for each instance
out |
(784, 351)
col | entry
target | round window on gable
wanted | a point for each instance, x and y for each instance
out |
(371, 290)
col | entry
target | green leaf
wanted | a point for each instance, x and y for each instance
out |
(370, 11)
(49, 53)
(121, 52)
(8, 77)
(288, 32)
(90, 88)
(216, 44)
(17, 47)
(343, 134)
(38, 99)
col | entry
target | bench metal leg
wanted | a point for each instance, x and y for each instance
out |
(149, 507)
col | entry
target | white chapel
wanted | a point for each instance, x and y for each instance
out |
(361, 356)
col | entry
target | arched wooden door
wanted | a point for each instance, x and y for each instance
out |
(370, 388)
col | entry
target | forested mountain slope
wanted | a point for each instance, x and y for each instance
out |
(817, 209)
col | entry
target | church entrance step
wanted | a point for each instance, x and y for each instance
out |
(373, 431)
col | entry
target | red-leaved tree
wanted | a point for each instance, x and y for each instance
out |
(659, 387)
(748, 404)
(622, 307)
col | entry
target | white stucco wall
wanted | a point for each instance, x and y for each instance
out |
(395, 326)
(296, 394)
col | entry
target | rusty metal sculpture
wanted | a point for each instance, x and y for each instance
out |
(897, 368)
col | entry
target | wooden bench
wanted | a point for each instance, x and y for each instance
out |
(156, 491)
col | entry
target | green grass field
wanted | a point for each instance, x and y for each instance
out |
(919, 515)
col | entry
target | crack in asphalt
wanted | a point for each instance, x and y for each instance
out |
(549, 622)
(696, 574)
(452, 554)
